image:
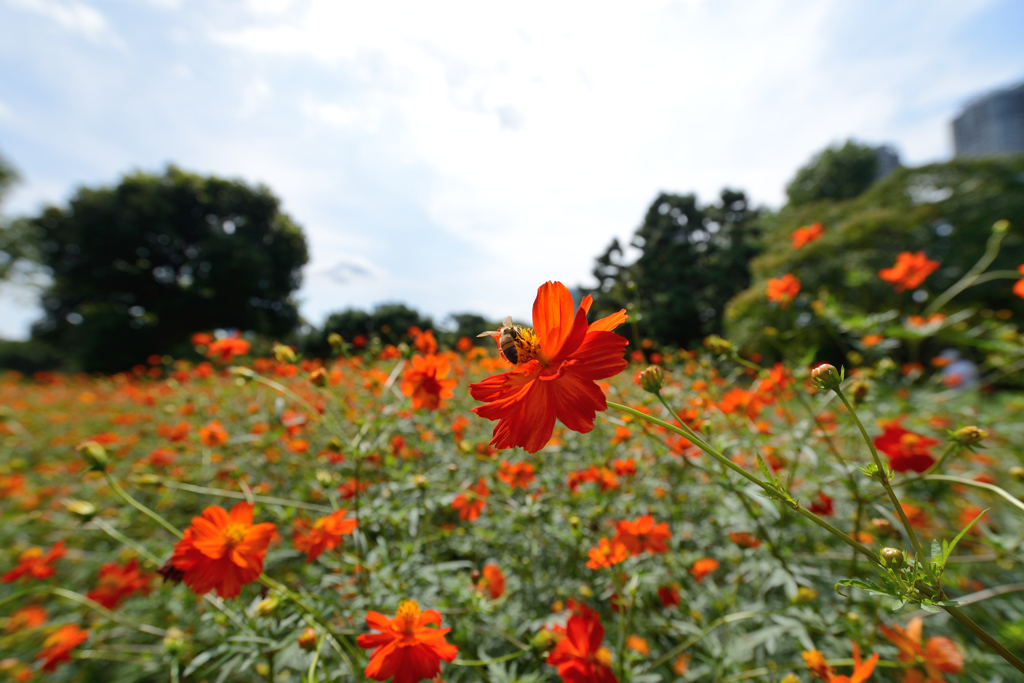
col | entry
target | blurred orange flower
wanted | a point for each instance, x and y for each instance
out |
(213, 434)
(222, 551)
(25, 618)
(939, 655)
(638, 645)
(325, 534)
(910, 270)
(472, 501)
(559, 362)
(405, 647)
(1018, 286)
(606, 554)
(58, 646)
(703, 567)
(519, 475)
(425, 380)
(744, 539)
(34, 563)
(117, 582)
(227, 348)
(493, 581)
(642, 535)
(783, 289)
(579, 656)
(820, 669)
(806, 235)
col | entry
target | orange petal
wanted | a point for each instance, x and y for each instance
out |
(553, 316)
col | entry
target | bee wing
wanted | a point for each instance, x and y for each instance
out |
(494, 333)
(507, 322)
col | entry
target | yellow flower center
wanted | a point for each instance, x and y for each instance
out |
(527, 346)
(604, 657)
(409, 613)
(234, 534)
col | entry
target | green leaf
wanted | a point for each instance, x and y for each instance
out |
(947, 549)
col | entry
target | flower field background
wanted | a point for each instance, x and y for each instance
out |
(338, 510)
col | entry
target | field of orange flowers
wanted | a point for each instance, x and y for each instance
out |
(414, 513)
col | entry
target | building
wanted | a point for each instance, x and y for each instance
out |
(992, 124)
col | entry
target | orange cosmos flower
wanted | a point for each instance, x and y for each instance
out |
(213, 434)
(405, 648)
(910, 270)
(516, 476)
(870, 340)
(325, 535)
(939, 655)
(744, 539)
(1018, 286)
(425, 381)
(783, 289)
(226, 349)
(606, 554)
(558, 363)
(492, 581)
(58, 646)
(806, 235)
(116, 583)
(35, 564)
(472, 501)
(26, 618)
(906, 450)
(702, 568)
(222, 551)
(642, 535)
(638, 645)
(821, 670)
(579, 656)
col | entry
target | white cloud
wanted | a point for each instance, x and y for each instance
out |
(72, 15)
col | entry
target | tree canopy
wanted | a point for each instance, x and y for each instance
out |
(835, 173)
(692, 260)
(137, 267)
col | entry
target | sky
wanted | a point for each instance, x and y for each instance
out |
(455, 155)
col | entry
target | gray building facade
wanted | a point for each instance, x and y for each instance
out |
(992, 124)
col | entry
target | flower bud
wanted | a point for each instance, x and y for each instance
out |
(267, 606)
(174, 641)
(544, 640)
(318, 377)
(805, 595)
(716, 344)
(882, 526)
(284, 354)
(421, 482)
(82, 509)
(1017, 472)
(307, 639)
(859, 390)
(893, 558)
(334, 445)
(1000, 226)
(968, 436)
(335, 340)
(324, 478)
(790, 678)
(825, 376)
(652, 379)
(95, 455)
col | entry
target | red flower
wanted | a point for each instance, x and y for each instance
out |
(744, 539)
(116, 583)
(58, 646)
(493, 581)
(213, 434)
(642, 535)
(806, 234)
(558, 363)
(425, 381)
(519, 475)
(579, 655)
(669, 596)
(606, 554)
(351, 488)
(226, 349)
(906, 450)
(939, 655)
(325, 535)
(405, 648)
(823, 505)
(222, 551)
(472, 501)
(624, 468)
(1018, 286)
(35, 564)
(783, 289)
(25, 618)
(702, 568)
(910, 270)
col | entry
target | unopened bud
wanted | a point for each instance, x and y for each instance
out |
(1017, 472)
(421, 482)
(267, 606)
(805, 595)
(859, 390)
(335, 340)
(882, 526)
(474, 575)
(790, 678)
(544, 640)
(716, 344)
(307, 639)
(586, 591)
(82, 509)
(825, 376)
(652, 379)
(334, 445)
(968, 436)
(893, 558)
(284, 354)
(95, 455)
(174, 641)
(318, 377)
(324, 477)
(1000, 226)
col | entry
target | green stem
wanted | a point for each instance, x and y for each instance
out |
(979, 484)
(488, 662)
(882, 478)
(770, 490)
(971, 277)
(679, 649)
(139, 506)
(978, 631)
(224, 493)
(950, 449)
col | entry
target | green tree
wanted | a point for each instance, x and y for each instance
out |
(388, 322)
(137, 267)
(835, 173)
(693, 259)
